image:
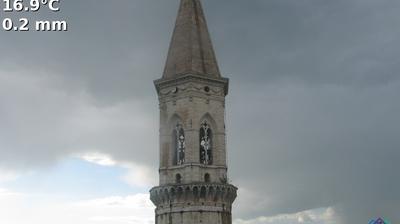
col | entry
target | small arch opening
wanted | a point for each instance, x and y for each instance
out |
(207, 178)
(178, 178)
(180, 193)
(203, 192)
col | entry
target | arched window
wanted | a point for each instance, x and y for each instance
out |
(178, 178)
(205, 144)
(207, 178)
(179, 139)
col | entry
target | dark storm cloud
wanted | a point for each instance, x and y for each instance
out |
(322, 77)
(318, 147)
(341, 42)
(98, 51)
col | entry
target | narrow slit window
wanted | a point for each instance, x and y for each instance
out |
(206, 156)
(179, 136)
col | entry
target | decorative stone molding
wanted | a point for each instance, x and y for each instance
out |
(192, 165)
(211, 193)
(187, 78)
(191, 87)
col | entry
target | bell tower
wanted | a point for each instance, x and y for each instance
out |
(194, 186)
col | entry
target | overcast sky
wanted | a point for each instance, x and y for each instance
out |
(312, 114)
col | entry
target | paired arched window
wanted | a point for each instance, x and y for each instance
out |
(206, 156)
(179, 139)
(205, 147)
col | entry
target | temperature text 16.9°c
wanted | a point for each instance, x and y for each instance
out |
(33, 5)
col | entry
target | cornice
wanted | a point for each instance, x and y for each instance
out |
(185, 78)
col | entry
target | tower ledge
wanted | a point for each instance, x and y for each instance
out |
(184, 78)
(194, 194)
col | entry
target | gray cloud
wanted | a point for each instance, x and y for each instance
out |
(312, 112)
(317, 147)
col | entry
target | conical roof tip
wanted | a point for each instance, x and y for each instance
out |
(191, 50)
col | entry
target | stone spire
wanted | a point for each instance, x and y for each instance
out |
(191, 50)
